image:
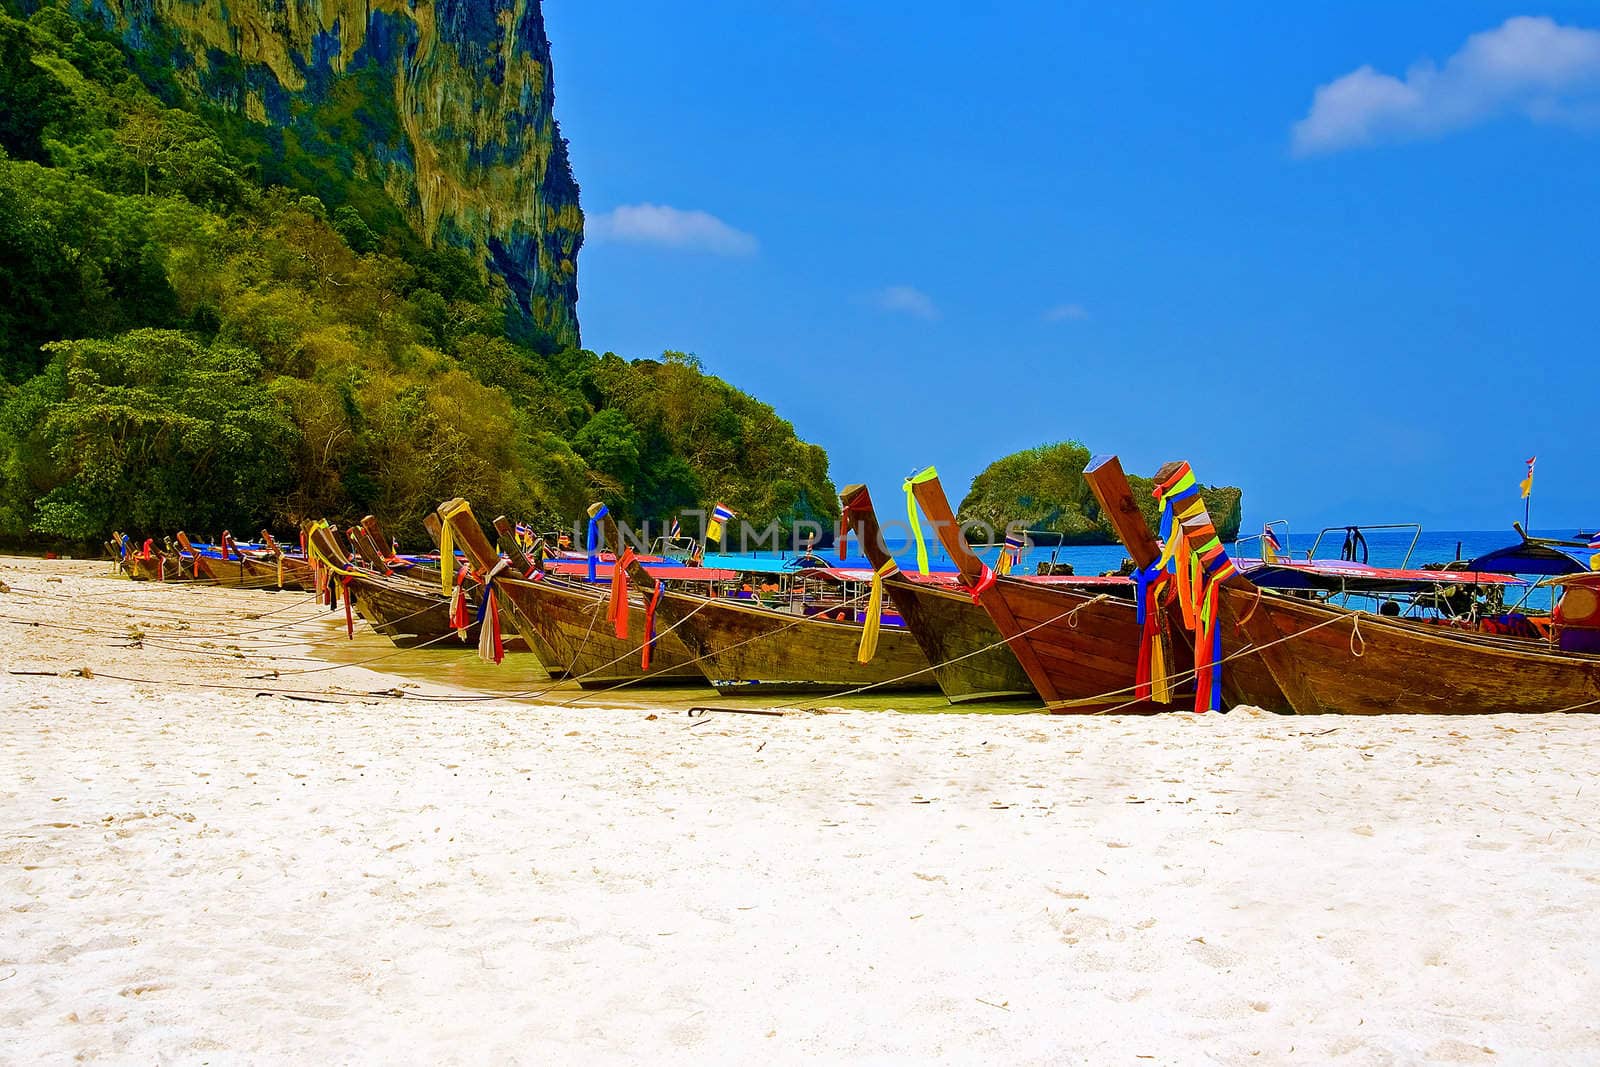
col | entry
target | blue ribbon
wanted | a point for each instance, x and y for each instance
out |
(594, 540)
(483, 602)
(1142, 577)
(1216, 666)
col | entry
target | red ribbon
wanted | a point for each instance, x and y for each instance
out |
(985, 580)
(617, 611)
(349, 617)
(650, 627)
(459, 619)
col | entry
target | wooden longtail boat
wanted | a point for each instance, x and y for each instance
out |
(1329, 659)
(148, 563)
(404, 611)
(568, 623)
(1079, 648)
(225, 569)
(379, 549)
(263, 569)
(1245, 678)
(744, 647)
(955, 634)
(296, 569)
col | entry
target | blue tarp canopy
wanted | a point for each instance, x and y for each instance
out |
(1530, 557)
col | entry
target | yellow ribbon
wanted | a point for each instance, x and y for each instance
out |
(321, 556)
(874, 619)
(911, 513)
(447, 547)
(1160, 682)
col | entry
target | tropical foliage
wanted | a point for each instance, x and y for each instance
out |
(1044, 488)
(185, 345)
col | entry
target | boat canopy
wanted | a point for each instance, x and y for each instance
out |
(1351, 577)
(1529, 557)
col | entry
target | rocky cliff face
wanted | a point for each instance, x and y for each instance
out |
(448, 103)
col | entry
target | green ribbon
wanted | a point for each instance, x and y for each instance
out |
(911, 513)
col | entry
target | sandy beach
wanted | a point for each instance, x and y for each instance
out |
(206, 863)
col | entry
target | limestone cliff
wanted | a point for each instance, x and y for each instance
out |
(448, 103)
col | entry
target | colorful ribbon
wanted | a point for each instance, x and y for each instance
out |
(593, 546)
(491, 649)
(1192, 554)
(447, 546)
(874, 618)
(911, 514)
(617, 609)
(650, 627)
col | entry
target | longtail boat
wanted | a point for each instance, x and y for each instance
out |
(381, 549)
(295, 569)
(1080, 648)
(970, 661)
(571, 625)
(263, 568)
(149, 563)
(217, 565)
(404, 611)
(744, 647)
(1329, 659)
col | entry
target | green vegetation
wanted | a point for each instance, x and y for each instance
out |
(188, 341)
(1044, 487)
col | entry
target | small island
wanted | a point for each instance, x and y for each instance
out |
(1044, 488)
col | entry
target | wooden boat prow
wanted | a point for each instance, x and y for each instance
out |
(1080, 650)
(970, 660)
(1245, 678)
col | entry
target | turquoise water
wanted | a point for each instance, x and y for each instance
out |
(1386, 548)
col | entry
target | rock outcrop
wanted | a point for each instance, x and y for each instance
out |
(448, 103)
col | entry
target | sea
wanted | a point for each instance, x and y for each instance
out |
(1409, 546)
(1401, 546)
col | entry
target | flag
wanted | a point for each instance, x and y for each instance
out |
(1270, 546)
(721, 515)
(1011, 554)
(1594, 542)
(1527, 483)
(675, 531)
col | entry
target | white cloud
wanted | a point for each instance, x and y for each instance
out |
(1066, 313)
(1531, 66)
(906, 300)
(670, 227)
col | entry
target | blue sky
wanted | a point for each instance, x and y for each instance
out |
(1344, 256)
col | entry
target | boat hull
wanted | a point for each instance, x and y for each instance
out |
(154, 569)
(405, 615)
(1336, 661)
(264, 573)
(971, 661)
(568, 626)
(1080, 651)
(1330, 660)
(748, 649)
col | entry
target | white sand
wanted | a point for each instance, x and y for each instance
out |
(193, 875)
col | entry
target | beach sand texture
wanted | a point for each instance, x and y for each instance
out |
(193, 874)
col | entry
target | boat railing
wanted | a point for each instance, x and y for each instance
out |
(1285, 550)
(1355, 539)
